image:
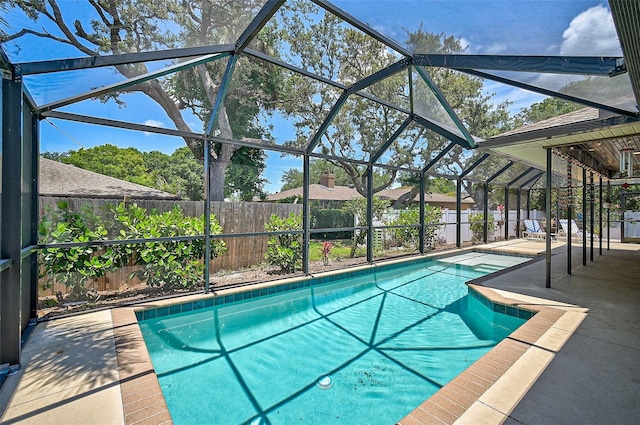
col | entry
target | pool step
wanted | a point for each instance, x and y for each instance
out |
(487, 268)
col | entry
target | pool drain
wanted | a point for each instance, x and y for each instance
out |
(259, 420)
(325, 382)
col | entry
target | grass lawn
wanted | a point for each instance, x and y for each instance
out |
(341, 248)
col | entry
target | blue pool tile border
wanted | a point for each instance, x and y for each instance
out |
(210, 301)
(509, 310)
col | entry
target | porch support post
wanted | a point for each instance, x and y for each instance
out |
(519, 202)
(609, 215)
(485, 211)
(600, 215)
(506, 213)
(548, 222)
(370, 214)
(584, 216)
(207, 215)
(306, 208)
(591, 214)
(11, 244)
(569, 216)
(422, 224)
(458, 212)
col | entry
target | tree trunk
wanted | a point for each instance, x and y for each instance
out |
(406, 198)
(216, 180)
(220, 161)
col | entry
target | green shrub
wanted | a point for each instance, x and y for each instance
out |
(74, 267)
(285, 251)
(171, 264)
(410, 236)
(406, 236)
(432, 217)
(358, 208)
(476, 223)
(329, 218)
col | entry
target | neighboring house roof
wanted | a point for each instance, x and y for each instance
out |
(430, 198)
(580, 115)
(58, 179)
(318, 192)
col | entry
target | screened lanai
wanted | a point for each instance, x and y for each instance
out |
(384, 96)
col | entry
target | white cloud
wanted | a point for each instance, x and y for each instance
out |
(495, 49)
(465, 44)
(591, 33)
(152, 123)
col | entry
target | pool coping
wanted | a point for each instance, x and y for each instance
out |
(486, 392)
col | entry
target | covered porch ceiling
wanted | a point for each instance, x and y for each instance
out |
(593, 137)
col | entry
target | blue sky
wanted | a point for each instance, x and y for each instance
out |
(553, 27)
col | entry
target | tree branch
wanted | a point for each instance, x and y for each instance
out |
(59, 21)
(100, 12)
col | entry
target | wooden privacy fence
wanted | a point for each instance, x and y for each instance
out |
(234, 217)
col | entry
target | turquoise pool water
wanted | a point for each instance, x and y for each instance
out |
(386, 342)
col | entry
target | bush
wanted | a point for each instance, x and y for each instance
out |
(410, 236)
(432, 218)
(329, 218)
(172, 264)
(406, 236)
(74, 267)
(285, 251)
(476, 223)
(167, 264)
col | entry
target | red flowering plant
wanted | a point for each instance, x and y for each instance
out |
(326, 249)
(501, 211)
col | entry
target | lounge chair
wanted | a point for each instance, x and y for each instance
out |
(576, 233)
(534, 231)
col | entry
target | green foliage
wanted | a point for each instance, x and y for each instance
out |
(406, 236)
(358, 208)
(410, 236)
(432, 218)
(180, 173)
(285, 251)
(476, 223)
(328, 218)
(244, 175)
(122, 163)
(548, 108)
(170, 264)
(442, 185)
(74, 267)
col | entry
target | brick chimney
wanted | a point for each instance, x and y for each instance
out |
(327, 179)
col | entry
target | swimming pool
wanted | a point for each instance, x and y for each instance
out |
(364, 350)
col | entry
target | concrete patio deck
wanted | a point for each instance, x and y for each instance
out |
(71, 373)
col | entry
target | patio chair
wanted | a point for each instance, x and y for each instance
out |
(576, 233)
(534, 231)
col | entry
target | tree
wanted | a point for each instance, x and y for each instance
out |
(243, 176)
(122, 163)
(144, 25)
(55, 156)
(330, 49)
(180, 173)
(358, 208)
(292, 178)
(548, 108)
(333, 50)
